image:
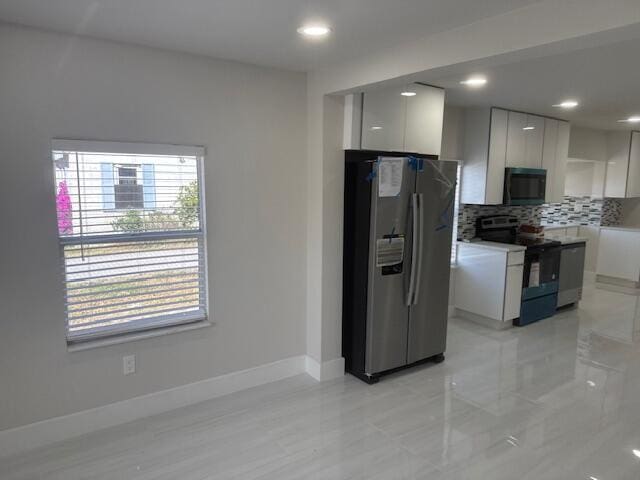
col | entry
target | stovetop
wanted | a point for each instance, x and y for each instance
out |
(535, 242)
(504, 229)
(524, 241)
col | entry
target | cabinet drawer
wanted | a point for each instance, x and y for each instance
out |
(515, 258)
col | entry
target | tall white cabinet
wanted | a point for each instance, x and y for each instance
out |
(623, 165)
(554, 157)
(496, 138)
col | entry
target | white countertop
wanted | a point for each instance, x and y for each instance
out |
(623, 229)
(566, 239)
(556, 226)
(504, 247)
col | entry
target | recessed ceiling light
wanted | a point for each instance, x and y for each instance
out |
(566, 104)
(591, 383)
(375, 127)
(314, 30)
(634, 119)
(636, 452)
(408, 94)
(474, 82)
(530, 127)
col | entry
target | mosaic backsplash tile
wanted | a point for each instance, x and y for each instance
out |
(468, 214)
(611, 212)
(580, 210)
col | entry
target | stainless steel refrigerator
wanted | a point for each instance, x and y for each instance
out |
(398, 221)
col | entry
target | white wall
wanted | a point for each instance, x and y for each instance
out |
(452, 133)
(588, 144)
(252, 122)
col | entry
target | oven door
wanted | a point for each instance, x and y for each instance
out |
(541, 271)
(524, 186)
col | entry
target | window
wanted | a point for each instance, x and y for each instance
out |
(131, 235)
(456, 210)
(128, 193)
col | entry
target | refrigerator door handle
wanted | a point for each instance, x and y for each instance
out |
(416, 293)
(414, 248)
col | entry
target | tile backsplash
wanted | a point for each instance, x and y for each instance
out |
(468, 214)
(580, 210)
(612, 212)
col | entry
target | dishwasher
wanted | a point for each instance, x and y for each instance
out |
(571, 273)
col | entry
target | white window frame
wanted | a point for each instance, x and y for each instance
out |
(153, 326)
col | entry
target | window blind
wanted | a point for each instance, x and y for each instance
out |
(131, 235)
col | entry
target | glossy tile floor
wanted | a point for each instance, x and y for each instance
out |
(559, 399)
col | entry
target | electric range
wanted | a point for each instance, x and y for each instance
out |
(541, 270)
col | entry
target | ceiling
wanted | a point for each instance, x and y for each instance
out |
(605, 80)
(261, 32)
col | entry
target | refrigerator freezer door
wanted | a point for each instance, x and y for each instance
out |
(387, 311)
(436, 185)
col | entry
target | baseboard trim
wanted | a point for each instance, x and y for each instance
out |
(28, 437)
(617, 285)
(326, 370)
(482, 320)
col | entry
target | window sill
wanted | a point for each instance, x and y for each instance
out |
(136, 336)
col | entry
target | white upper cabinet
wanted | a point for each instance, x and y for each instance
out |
(497, 156)
(383, 119)
(525, 137)
(549, 151)
(485, 146)
(633, 178)
(425, 112)
(516, 139)
(533, 141)
(623, 165)
(496, 138)
(393, 122)
(559, 175)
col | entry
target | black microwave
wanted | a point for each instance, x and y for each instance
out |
(524, 186)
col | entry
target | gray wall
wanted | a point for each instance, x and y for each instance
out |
(252, 122)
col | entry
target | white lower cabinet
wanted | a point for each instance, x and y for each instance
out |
(488, 283)
(513, 292)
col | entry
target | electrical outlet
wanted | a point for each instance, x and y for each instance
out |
(129, 364)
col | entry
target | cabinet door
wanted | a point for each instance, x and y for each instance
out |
(633, 177)
(618, 144)
(560, 169)
(425, 112)
(516, 139)
(550, 147)
(513, 292)
(383, 120)
(497, 156)
(533, 141)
